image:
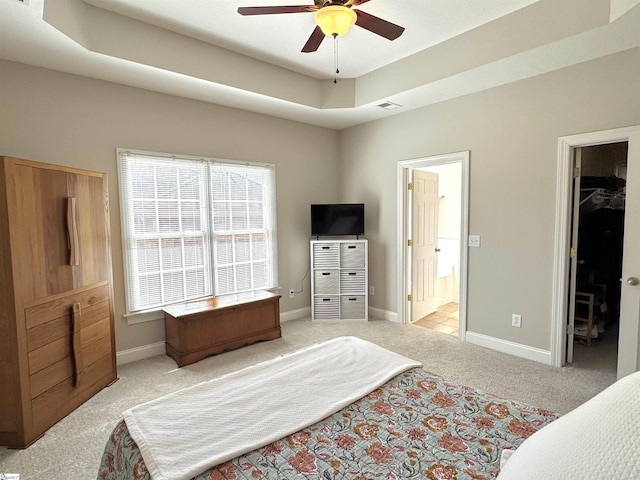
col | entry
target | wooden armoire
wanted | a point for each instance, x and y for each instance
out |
(57, 345)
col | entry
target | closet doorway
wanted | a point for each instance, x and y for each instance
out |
(435, 282)
(565, 264)
(596, 256)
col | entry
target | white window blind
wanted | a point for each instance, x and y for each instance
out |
(194, 228)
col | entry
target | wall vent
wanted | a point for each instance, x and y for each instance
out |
(389, 105)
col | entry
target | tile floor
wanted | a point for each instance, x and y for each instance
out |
(444, 320)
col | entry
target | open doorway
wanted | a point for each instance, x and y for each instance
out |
(596, 265)
(442, 312)
(437, 224)
(628, 345)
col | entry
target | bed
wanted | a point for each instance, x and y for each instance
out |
(410, 424)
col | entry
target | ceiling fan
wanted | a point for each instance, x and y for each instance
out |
(333, 18)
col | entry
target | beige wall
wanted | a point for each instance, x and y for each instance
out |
(70, 120)
(512, 133)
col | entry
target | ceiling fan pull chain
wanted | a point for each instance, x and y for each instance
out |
(335, 57)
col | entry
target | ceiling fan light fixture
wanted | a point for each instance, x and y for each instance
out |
(335, 20)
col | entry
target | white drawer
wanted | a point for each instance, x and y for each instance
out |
(352, 255)
(352, 306)
(326, 255)
(326, 307)
(326, 282)
(353, 281)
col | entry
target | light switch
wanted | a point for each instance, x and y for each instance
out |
(474, 240)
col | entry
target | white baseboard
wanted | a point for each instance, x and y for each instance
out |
(295, 314)
(512, 348)
(147, 351)
(504, 346)
(384, 314)
(140, 353)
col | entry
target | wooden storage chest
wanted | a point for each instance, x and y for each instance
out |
(195, 330)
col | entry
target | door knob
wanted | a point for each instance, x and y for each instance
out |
(633, 281)
(437, 250)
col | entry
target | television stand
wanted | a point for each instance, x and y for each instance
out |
(339, 283)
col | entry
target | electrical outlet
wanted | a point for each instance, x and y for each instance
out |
(292, 293)
(516, 320)
(372, 290)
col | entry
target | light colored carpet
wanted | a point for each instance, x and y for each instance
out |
(72, 448)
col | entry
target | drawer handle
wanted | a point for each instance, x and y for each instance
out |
(352, 273)
(326, 299)
(353, 299)
(326, 273)
(77, 345)
(72, 227)
(351, 246)
(326, 248)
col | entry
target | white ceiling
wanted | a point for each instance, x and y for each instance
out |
(279, 38)
(205, 50)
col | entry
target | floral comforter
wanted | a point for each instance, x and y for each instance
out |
(417, 425)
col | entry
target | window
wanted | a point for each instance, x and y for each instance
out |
(195, 227)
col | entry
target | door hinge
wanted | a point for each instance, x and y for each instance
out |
(410, 186)
(576, 172)
(569, 329)
(410, 243)
(409, 298)
(573, 252)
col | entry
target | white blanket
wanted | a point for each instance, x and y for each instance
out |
(187, 432)
(598, 440)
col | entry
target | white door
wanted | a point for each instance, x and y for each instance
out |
(629, 340)
(425, 242)
(574, 258)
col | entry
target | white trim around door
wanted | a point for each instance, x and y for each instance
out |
(561, 264)
(403, 265)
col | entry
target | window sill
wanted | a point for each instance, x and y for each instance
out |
(143, 317)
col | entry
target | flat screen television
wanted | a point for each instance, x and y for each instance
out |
(337, 219)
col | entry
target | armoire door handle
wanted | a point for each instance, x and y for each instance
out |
(72, 227)
(76, 319)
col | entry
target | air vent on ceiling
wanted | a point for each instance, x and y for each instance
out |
(389, 105)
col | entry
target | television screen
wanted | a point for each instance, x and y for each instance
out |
(337, 219)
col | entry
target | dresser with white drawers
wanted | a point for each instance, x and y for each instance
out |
(339, 279)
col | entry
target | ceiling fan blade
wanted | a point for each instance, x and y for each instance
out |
(378, 26)
(274, 9)
(355, 3)
(314, 41)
